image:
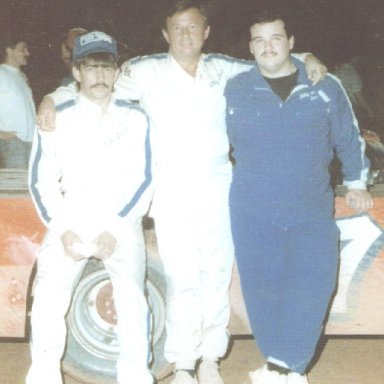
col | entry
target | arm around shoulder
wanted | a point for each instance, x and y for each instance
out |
(315, 68)
(46, 113)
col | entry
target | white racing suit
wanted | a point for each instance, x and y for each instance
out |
(91, 175)
(192, 174)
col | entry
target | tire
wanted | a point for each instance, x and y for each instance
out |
(92, 346)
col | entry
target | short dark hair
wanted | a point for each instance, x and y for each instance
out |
(269, 16)
(100, 58)
(10, 39)
(177, 6)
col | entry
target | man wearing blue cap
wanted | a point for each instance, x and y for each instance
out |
(89, 180)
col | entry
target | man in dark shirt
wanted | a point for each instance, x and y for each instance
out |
(284, 132)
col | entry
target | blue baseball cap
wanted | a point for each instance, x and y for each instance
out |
(93, 42)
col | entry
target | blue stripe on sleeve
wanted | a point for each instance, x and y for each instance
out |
(123, 103)
(218, 56)
(33, 181)
(65, 105)
(148, 177)
(156, 57)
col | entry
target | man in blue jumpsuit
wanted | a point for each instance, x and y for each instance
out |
(284, 132)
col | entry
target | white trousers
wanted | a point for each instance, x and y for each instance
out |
(54, 284)
(197, 251)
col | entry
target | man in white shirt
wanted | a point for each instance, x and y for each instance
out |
(182, 92)
(89, 180)
(17, 109)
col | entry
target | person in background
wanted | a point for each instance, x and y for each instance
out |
(351, 80)
(66, 49)
(17, 108)
(284, 131)
(90, 182)
(182, 92)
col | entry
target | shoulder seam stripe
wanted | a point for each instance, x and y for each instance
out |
(65, 105)
(156, 56)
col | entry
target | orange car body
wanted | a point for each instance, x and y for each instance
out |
(357, 309)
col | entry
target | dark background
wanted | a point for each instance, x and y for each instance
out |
(329, 29)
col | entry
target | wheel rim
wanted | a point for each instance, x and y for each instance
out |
(88, 326)
(92, 317)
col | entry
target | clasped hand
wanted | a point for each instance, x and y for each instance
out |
(101, 247)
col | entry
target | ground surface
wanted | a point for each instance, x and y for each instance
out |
(342, 361)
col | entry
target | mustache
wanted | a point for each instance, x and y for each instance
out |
(269, 53)
(100, 85)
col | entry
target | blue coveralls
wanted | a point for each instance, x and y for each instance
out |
(281, 205)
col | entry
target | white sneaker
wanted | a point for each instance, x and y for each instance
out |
(265, 376)
(209, 373)
(183, 377)
(296, 378)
